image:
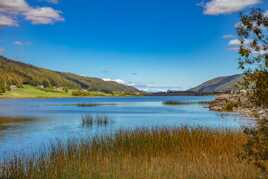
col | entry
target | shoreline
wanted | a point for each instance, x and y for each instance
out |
(237, 103)
(111, 96)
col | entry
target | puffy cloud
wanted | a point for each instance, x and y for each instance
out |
(215, 7)
(41, 15)
(237, 42)
(13, 6)
(234, 42)
(116, 80)
(7, 21)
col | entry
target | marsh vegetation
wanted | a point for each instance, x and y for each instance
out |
(141, 153)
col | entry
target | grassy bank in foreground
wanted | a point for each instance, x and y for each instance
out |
(34, 92)
(158, 153)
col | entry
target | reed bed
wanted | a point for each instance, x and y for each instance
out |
(142, 153)
(99, 120)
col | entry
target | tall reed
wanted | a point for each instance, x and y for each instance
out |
(142, 153)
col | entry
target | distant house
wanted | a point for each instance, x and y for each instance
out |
(13, 87)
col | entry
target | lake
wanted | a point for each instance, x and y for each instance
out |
(61, 118)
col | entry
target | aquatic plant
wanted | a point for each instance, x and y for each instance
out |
(185, 102)
(99, 120)
(87, 120)
(174, 103)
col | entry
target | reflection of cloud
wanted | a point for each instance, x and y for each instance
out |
(215, 7)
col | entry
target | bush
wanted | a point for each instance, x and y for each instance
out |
(229, 106)
(256, 148)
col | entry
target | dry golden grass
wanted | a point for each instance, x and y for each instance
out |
(156, 153)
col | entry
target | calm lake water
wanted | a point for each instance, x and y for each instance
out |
(61, 119)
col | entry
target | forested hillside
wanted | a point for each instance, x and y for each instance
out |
(14, 73)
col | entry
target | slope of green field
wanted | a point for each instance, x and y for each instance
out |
(33, 92)
(19, 74)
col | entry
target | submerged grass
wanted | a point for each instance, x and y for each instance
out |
(142, 153)
(94, 104)
(13, 120)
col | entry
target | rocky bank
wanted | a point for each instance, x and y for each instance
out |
(238, 103)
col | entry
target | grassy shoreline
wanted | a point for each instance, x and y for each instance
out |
(30, 92)
(142, 153)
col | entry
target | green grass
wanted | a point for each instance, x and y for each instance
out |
(156, 153)
(34, 92)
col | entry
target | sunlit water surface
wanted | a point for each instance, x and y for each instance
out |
(61, 119)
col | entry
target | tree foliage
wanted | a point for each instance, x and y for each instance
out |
(253, 33)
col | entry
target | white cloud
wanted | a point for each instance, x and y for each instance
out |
(13, 6)
(266, 13)
(235, 49)
(21, 43)
(40, 15)
(156, 88)
(54, 1)
(237, 42)
(234, 42)
(228, 36)
(116, 80)
(144, 87)
(7, 21)
(2, 50)
(215, 7)
(44, 15)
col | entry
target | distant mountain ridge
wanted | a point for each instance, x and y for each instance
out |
(219, 84)
(18, 73)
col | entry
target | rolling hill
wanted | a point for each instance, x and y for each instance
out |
(219, 85)
(14, 73)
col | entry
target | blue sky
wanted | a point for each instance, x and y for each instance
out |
(152, 44)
